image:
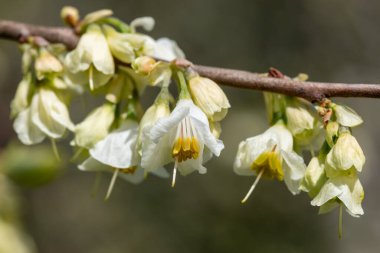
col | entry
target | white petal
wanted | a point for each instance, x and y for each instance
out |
(90, 164)
(118, 149)
(347, 116)
(167, 49)
(26, 130)
(145, 22)
(294, 171)
(155, 155)
(135, 178)
(282, 137)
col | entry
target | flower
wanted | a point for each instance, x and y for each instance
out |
(22, 97)
(346, 154)
(91, 62)
(315, 177)
(209, 97)
(127, 46)
(46, 116)
(46, 64)
(95, 126)
(271, 155)
(302, 121)
(183, 138)
(341, 187)
(160, 109)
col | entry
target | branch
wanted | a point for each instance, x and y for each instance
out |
(312, 91)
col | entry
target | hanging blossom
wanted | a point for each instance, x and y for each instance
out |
(184, 138)
(270, 155)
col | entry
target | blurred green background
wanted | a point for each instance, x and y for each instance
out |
(331, 40)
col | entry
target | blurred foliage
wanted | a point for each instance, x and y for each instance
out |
(30, 167)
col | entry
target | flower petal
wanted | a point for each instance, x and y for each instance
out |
(26, 130)
(118, 149)
(294, 171)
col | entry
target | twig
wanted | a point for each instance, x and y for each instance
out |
(312, 91)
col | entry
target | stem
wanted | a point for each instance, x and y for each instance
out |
(340, 228)
(112, 184)
(55, 149)
(312, 91)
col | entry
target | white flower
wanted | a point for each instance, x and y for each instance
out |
(46, 63)
(209, 97)
(271, 155)
(346, 116)
(182, 137)
(95, 126)
(346, 154)
(345, 187)
(125, 46)
(91, 62)
(46, 116)
(315, 177)
(302, 121)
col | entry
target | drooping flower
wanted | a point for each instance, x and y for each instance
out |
(346, 154)
(167, 50)
(315, 177)
(209, 97)
(271, 155)
(181, 138)
(302, 121)
(346, 116)
(91, 62)
(341, 187)
(95, 126)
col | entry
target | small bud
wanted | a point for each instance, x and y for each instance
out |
(209, 97)
(302, 120)
(332, 129)
(315, 177)
(46, 63)
(70, 15)
(346, 154)
(144, 65)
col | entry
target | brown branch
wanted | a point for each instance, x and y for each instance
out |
(312, 91)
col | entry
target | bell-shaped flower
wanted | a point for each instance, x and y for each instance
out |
(346, 154)
(209, 97)
(332, 132)
(315, 177)
(95, 126)
(46, 64)
(302, 120)
(341, 187)
(271, 155)
(126, 46)
(91, 62)
(47, 116)
(183, 138)
(346, 116)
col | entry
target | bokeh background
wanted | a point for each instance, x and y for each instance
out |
(331, 40)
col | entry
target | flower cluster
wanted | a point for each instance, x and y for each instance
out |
(325, 132)
(114, 60)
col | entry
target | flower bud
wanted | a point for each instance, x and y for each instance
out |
(46, 63)
(70, 15)
(346, 116)
(95, 126)
(302, 120)
(315, 177)
(332, 129)
(144, 65)
(346, 154)
(209, 97)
